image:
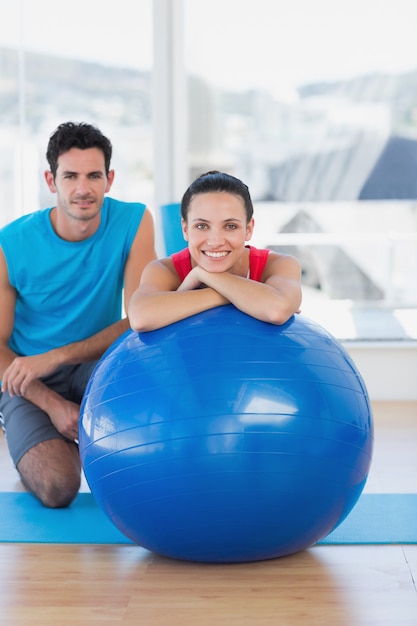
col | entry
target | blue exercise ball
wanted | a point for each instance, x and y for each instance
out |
(221, 438)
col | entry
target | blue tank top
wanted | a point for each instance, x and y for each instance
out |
(67, 291)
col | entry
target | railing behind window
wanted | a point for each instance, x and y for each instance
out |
(362, 252)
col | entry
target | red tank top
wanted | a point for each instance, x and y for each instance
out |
(257, 262)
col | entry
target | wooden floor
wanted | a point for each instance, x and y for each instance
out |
(326, 585)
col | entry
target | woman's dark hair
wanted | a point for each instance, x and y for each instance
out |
(82, 136)
(216, 182)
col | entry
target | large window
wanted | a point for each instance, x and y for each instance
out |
(90, 61)
(314, 105)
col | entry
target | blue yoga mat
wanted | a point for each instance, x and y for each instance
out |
(376, 519)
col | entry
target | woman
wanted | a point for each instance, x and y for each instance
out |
(218, 267)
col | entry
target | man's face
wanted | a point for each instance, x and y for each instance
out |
(80, 184)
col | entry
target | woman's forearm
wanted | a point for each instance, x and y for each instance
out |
(156, 310)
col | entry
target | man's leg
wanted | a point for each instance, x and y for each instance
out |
(51, 470)
(49, 465)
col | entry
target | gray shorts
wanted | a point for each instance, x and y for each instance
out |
(25, 424)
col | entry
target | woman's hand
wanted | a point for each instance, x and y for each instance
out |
(191, 281)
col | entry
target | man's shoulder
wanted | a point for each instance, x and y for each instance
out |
(122, 217)
(112, 204)
(24, 223)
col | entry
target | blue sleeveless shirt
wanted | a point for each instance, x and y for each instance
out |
(67, 291)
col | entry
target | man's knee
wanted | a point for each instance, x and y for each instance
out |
(57, 495)
(51, 470)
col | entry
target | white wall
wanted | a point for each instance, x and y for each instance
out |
(389, 369)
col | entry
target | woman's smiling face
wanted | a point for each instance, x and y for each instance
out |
(216, 230)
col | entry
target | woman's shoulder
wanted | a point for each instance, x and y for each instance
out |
(181, 255)
(182, 262)
(282, 264)
(265, 262)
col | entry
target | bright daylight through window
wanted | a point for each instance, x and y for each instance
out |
(308, 104)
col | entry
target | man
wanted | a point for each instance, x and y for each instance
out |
(62, 272)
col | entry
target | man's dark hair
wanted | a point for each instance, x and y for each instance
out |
(81, 136)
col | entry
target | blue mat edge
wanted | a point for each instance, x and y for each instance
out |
(375, 519)
(389, 520)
